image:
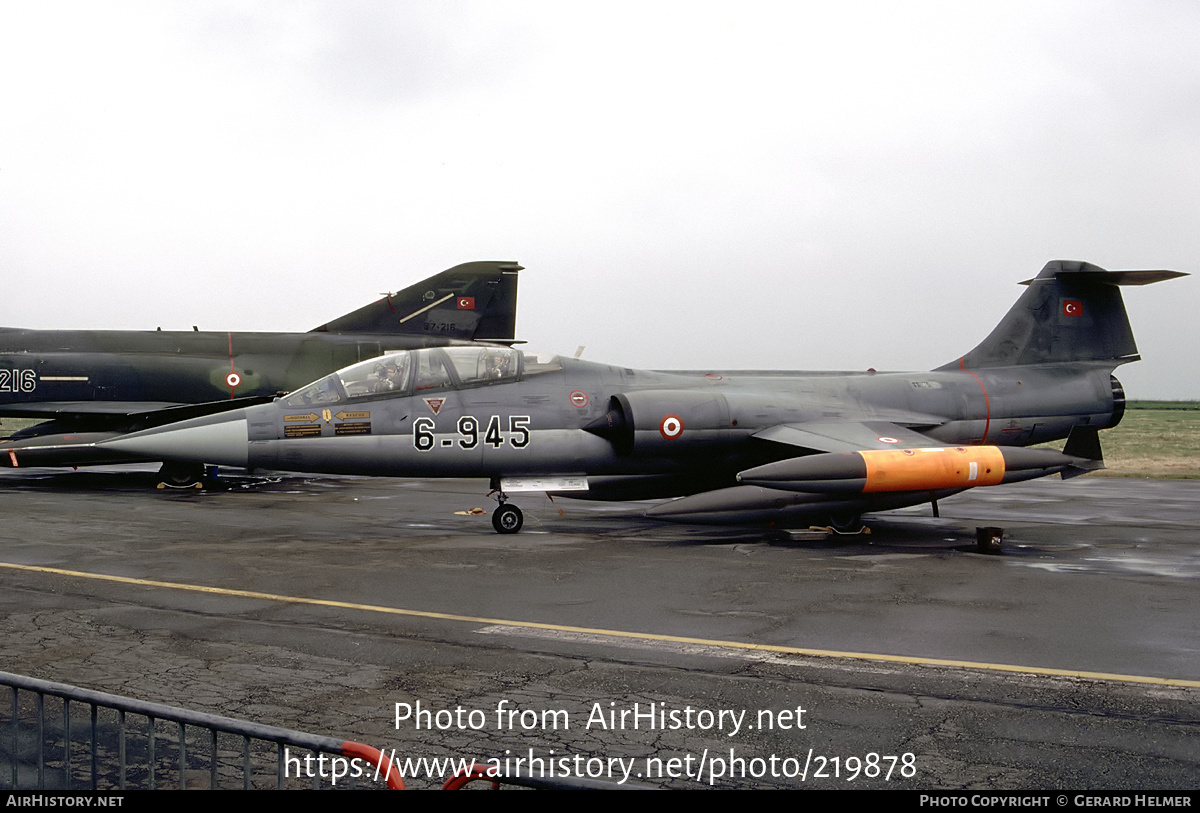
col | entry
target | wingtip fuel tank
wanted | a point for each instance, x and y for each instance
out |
(931, 468)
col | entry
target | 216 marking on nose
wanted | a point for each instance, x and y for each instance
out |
(18, 380)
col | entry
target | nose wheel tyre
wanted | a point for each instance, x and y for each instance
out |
(507, 519)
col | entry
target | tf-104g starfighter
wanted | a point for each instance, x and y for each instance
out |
(88, 385)
(785, 449)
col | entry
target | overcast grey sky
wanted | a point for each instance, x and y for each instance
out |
(688, 184)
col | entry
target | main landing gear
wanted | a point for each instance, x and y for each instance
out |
(506, 519)
(846, 523)
(181, 475)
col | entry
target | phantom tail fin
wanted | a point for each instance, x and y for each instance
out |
(1073, 311)
(473, 301)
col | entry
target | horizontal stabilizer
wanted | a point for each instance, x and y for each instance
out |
(1141, 277)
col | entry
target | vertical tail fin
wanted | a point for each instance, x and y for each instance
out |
(1083, 444)
(473, 301)
(1072, 311)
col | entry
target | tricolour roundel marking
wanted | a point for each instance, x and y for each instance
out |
(233, 379)
(671, 427)
(886, 439)
(579, 398)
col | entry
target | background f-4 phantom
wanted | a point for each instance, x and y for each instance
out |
(93, 384)
(784, 448)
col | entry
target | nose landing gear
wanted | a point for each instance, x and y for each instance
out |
(506, 519)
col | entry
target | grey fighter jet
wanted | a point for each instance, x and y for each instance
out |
(785, 449)
(87, 385)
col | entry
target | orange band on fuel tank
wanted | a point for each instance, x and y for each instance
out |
(933, 469)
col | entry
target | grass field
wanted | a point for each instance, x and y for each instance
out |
(1154, 439)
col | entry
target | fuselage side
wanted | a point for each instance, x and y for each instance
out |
(673, 423)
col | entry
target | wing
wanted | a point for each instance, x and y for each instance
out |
(76, 449)
(82, 410)
(845, 435)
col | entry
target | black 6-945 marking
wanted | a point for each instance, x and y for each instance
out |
(470, 435)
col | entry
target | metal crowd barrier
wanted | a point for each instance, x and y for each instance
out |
(105, 750)
(43, 749)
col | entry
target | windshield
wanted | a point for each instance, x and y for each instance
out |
(378, 375)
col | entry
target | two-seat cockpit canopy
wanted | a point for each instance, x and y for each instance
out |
(429, 369)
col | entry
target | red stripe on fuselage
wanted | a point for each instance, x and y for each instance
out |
(987, 402)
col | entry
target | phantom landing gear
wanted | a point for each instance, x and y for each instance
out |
(181, 475)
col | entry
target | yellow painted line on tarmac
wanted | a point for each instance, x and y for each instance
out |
(641, 636)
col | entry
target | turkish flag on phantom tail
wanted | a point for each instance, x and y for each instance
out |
(466, 303)
(1072, 307)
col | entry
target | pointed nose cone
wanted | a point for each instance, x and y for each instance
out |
(220, 440)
